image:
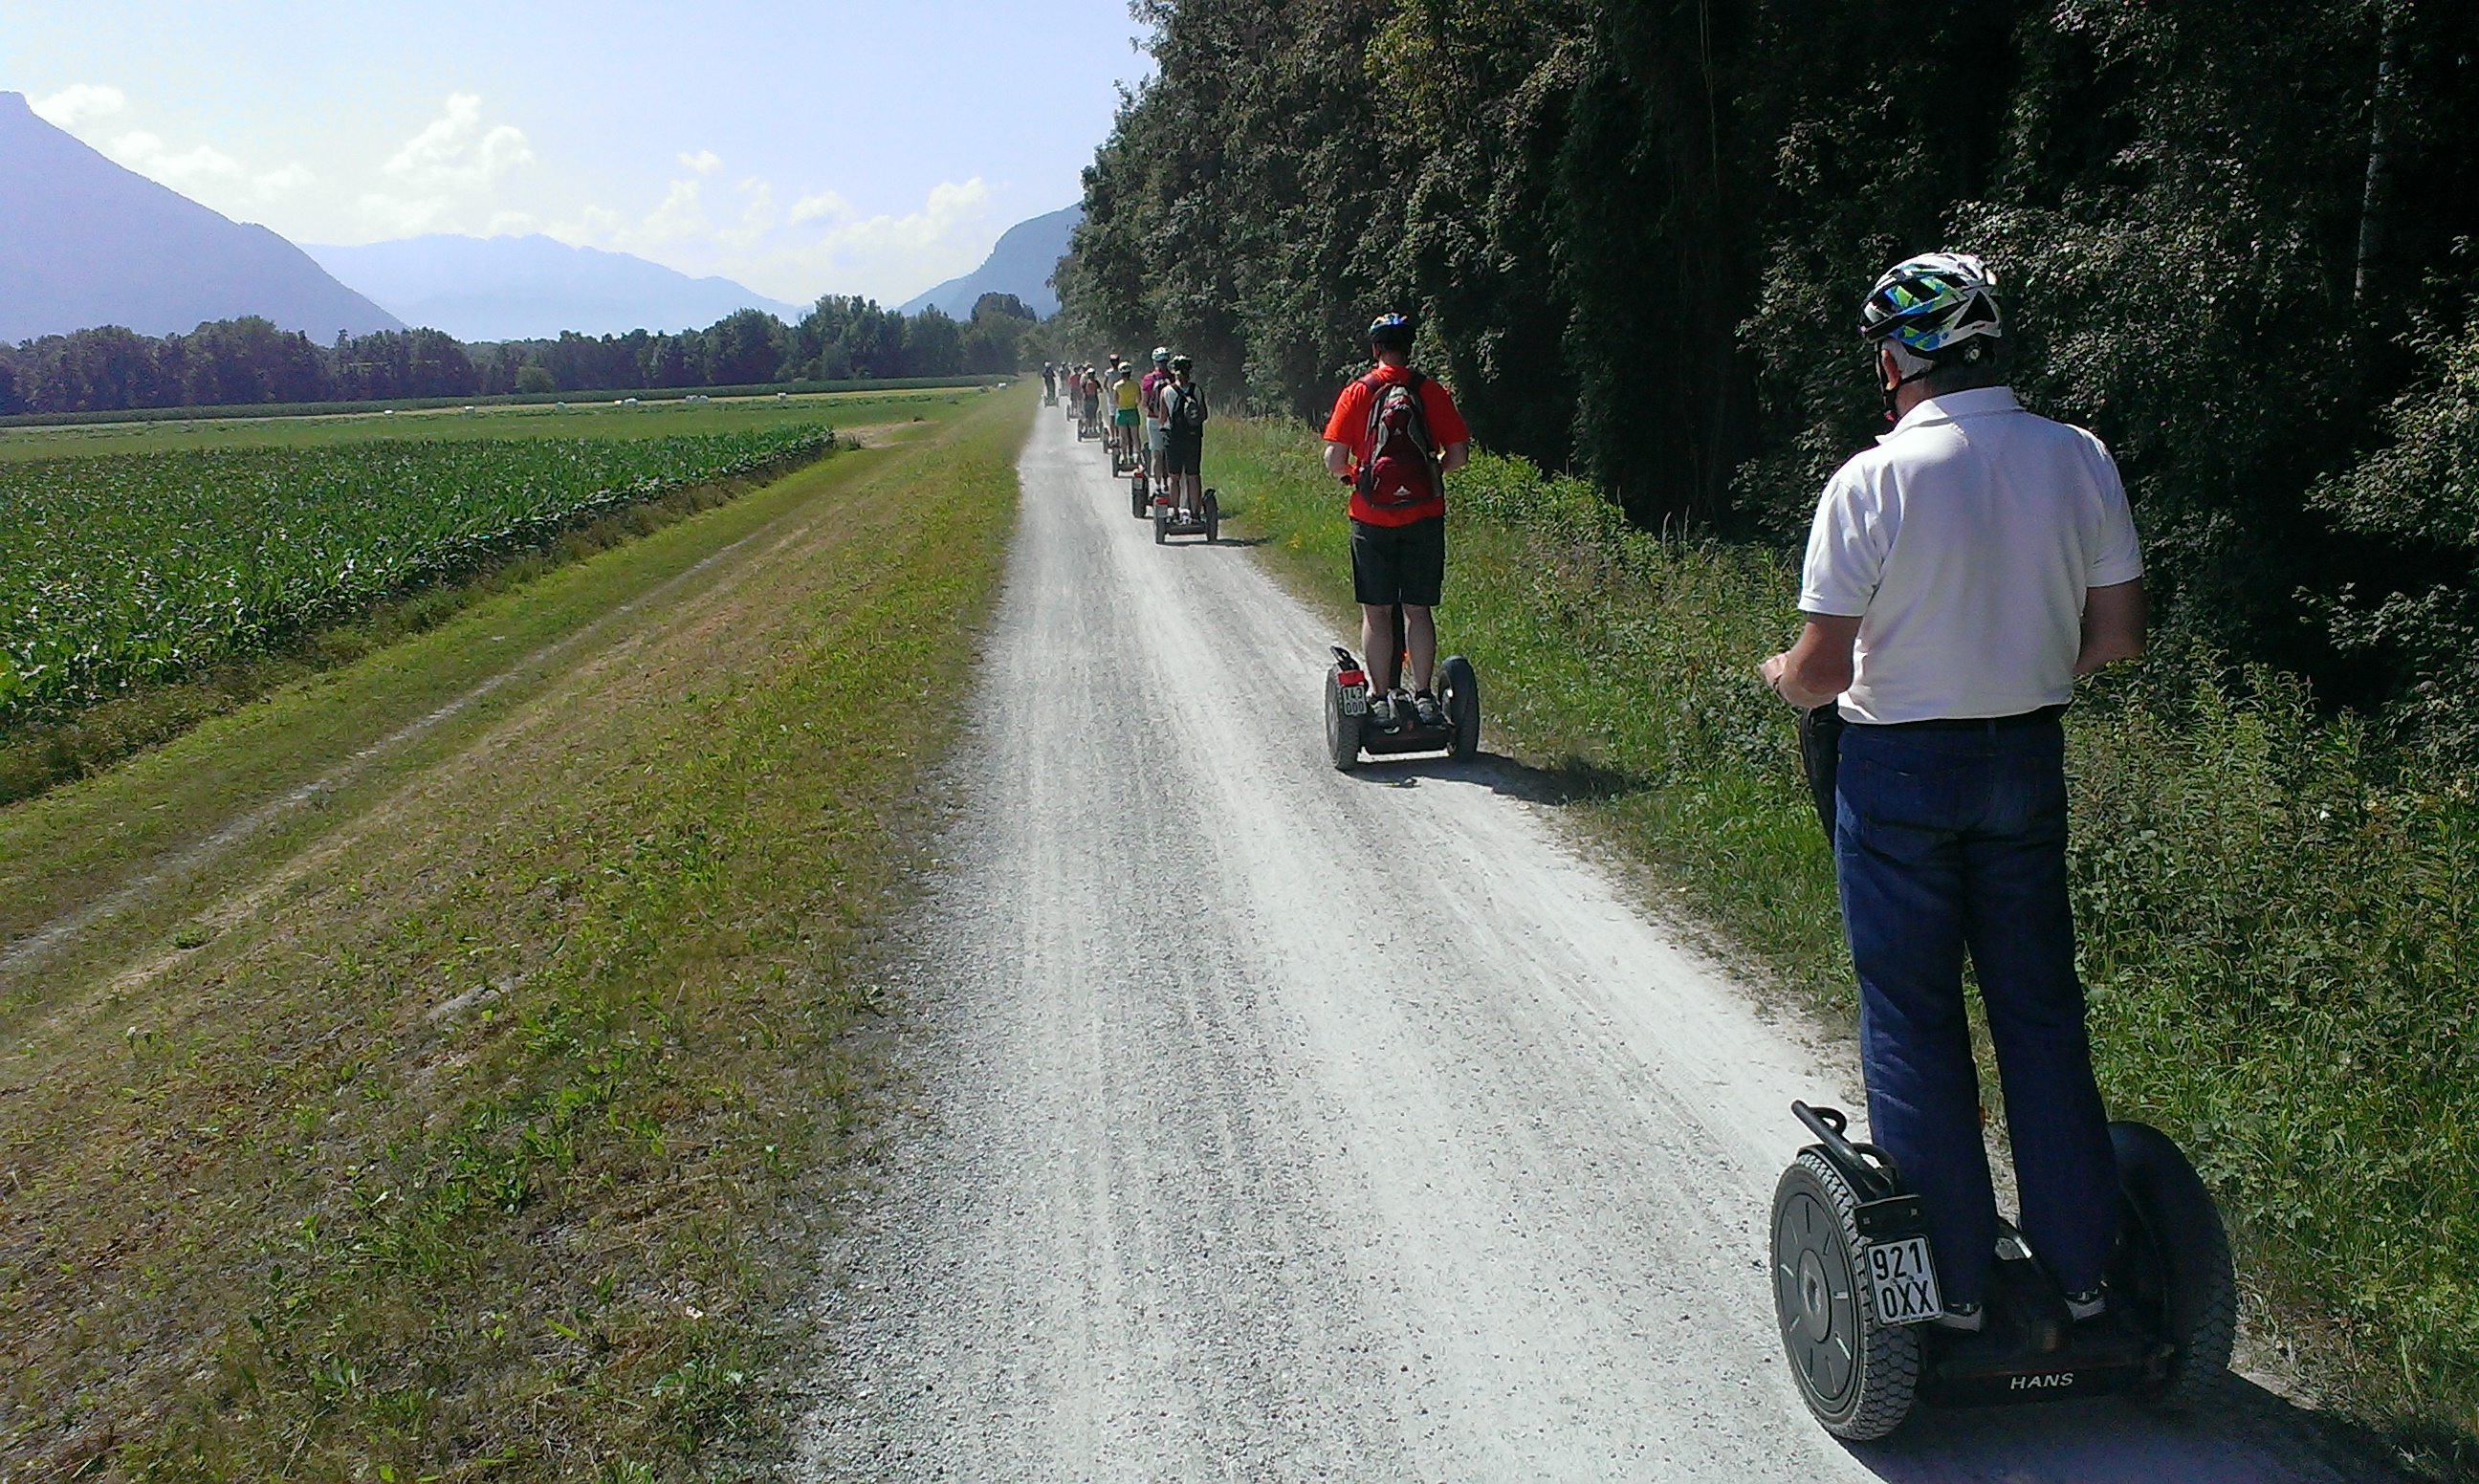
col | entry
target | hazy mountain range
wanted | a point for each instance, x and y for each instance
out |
(532, 288)
(1021, 265)
(84, 243)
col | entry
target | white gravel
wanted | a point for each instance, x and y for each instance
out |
(1281, 1125)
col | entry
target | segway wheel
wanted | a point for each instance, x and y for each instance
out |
(1161, 526)
(1858, 1377)
(1342, 731)
(1139, 498)
(1213, 518)
(1460, 690)
(2172, 1259)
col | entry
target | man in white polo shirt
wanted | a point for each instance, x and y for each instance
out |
(1960, 577)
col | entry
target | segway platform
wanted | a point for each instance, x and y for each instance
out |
(1206, 522)
(1350, 731)
(1855, 1289)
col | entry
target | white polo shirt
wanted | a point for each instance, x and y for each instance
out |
(1964, 542)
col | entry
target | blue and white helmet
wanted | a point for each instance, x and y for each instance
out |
(1932, 303)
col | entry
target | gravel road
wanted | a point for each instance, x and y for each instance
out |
(1273, 1123)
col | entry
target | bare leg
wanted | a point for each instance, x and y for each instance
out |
(1377, 644)
(1420, 644)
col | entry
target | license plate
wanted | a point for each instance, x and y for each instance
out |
(1903, 1279)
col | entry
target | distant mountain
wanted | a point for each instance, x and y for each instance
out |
(1021, 265)
(532, 288)
(86, 242)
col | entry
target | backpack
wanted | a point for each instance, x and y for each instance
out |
(1183, 409)
(1401, 468)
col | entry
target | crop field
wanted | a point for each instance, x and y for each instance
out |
(601, 419)
(119, 571)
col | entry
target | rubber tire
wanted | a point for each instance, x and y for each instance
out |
(1342, 732)
(1139, 498)
(1815, 1218)
(2173, 1259)
(1161, 526)
(1460, 690)
(1213, 518)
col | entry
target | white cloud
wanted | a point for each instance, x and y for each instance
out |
(79, 102)
(821, 243)
(204, 171)
(441, 179)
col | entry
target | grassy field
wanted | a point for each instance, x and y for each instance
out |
(120, 572)
(602, 419)
(451, 1063)
(2280, 925)
(40, 751)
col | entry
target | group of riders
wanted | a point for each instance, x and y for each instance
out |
(1152, 422)
(1393, 436)
(1960, 577)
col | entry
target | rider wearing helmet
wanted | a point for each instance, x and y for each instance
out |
(1394, 437)
(1960, 577)
(1149, 391)
(1126, 412)
(1183, 440)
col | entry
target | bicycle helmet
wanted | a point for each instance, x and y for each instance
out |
(1181, 363)
(1162, 354)
(1391, 332)
(1932, 303)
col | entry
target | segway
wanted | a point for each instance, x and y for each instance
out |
(1141, 495)
(1855, 1289)
(1205, 521)
(1350, 731)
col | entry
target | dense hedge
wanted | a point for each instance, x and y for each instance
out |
(1638, 232)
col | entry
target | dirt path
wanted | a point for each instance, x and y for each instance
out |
(1278, 1124)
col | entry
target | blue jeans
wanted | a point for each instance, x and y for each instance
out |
(1945, 840)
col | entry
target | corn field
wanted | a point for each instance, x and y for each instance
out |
(129, 569)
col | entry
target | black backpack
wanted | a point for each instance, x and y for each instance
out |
(1184, 410)
(1401, 468)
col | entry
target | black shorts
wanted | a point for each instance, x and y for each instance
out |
(1183, 455)
(1398, 564)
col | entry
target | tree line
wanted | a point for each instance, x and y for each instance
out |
(2235, 239)
(251, 361)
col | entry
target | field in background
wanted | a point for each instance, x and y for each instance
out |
(2280, 925)
(599, 418)
(35, 754)
(464, 1121)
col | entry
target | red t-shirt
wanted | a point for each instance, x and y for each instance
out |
(1349, 426)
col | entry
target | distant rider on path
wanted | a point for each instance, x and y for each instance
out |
(1959, 576)
(1149, 391)
(1395, 436)
(1184, 415)
(1127, 413)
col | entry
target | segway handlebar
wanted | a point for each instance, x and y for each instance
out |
(1869, 1169)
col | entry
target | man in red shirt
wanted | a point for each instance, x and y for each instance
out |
(1394, 437)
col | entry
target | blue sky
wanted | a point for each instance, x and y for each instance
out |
(800, 149)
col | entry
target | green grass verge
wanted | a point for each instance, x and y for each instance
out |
(2280, 928)
(472, 1123)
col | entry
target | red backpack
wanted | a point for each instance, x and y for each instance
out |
(1401, 468)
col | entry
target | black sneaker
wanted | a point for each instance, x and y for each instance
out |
(1425, 706)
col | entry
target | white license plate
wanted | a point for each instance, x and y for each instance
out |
(1903, 1279)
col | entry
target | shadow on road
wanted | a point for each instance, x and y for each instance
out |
(1569, 781)
(2247, 1436)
